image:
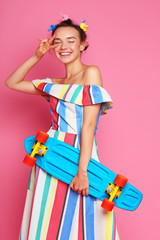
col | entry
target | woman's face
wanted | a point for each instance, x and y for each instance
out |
(69, 45)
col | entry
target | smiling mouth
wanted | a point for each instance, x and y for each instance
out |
(65, 54)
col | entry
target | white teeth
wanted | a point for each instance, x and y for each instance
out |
(65, 53)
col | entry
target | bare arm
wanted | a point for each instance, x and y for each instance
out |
(80, 182)
(87, 136)
(16, 80)
(90, 114)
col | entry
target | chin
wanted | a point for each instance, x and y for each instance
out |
(65, 61)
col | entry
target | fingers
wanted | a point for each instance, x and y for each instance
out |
(54, 46)
(51, 39)
(87, 192)
(42, 40)
(71, 185)
(74, 188)
(80, 191)
(83, 192)
(47, 42)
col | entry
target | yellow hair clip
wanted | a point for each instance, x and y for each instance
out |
(83, 26)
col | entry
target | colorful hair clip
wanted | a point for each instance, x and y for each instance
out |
(83, 26)
(52, 27)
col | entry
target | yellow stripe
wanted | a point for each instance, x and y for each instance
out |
(49, 209)
(62, 136)
(80, 100)
(38, 83)
(63, 90)
(109, 225)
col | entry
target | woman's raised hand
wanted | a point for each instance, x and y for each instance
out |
(45, 46)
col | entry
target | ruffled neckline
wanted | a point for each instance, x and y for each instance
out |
(76, 93)
(72, 84)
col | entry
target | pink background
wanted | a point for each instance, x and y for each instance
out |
(124, 42)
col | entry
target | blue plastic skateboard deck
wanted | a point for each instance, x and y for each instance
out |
(61, 161)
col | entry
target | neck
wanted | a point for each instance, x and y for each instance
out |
(73, 68)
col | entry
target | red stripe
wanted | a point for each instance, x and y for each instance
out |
(67, 92)
(41, 85)
(80, 227)
(33, 198)
(55, 114)
(56, 210)
(69, 138)
(86, 98)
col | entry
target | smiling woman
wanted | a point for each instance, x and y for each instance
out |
(53, 209)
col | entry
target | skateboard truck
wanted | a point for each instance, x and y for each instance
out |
(114, 190)
(38, 148)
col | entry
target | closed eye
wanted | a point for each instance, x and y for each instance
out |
(60, 42)
(56, 42)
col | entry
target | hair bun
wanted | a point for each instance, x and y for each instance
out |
(68, 21)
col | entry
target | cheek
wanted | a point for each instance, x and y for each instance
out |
(56, 49)
(76, 47)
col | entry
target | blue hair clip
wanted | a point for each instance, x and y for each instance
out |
(52, 27)
(81, 22)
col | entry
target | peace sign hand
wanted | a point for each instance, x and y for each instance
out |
(45, 46)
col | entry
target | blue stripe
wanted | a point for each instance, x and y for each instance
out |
(97, 120)
(97, 94)
(67, 224)
(79, 118)
(63, 125)
(47, 87)
(113, 226)
(51, 112)
(90, 217)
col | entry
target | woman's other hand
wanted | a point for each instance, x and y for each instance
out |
(80, 183)
(45, 45)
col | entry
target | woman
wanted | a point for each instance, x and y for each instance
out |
(54, 210)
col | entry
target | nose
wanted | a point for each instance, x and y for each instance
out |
(63, 45)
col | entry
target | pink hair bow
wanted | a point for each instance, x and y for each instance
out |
(64, 17)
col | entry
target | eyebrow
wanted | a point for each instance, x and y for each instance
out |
(67, 38)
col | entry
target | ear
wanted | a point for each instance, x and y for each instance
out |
(83, 45)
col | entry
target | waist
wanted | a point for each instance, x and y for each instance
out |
(69, 138)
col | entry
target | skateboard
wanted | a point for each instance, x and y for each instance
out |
(60, 160)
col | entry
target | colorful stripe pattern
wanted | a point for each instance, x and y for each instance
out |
(53, 211)
(75, 93)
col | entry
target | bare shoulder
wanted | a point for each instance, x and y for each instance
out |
(92, 75)
(56, 80)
